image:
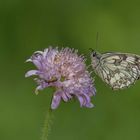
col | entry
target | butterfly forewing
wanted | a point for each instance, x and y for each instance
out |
(119, 70)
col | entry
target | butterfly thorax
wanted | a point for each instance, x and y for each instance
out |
(95, 57)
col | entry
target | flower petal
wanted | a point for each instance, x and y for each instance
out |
(38, 52)
(85, 101)
(29, 60)
(37, 63)
(55, 101)
(38, 88)
(31, 72)
(45, 53)
(64, 97)
(81, 100)
(89, 105)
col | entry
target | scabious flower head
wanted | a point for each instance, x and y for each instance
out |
(64, 70)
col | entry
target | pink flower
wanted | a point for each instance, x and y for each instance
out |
(64, 70)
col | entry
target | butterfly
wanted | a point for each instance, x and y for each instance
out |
(119, 70)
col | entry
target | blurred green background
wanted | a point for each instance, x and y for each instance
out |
(28, 26)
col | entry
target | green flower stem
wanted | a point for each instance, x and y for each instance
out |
(47, 125)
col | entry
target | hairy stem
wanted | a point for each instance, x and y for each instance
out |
(47, 125)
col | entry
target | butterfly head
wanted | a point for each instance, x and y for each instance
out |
(95, 58)
(94, 53)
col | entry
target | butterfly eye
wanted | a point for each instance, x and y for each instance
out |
(94, 54)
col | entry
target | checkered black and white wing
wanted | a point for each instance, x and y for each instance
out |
(119, 70)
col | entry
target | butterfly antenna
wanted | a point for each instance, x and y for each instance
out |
(97, 38)
(92, 50)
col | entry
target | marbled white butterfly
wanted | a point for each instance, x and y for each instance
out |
(119, 70)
